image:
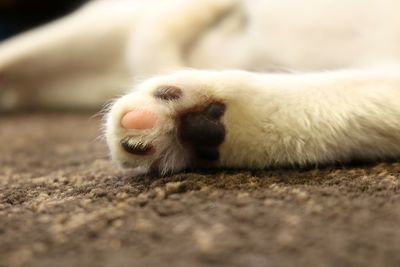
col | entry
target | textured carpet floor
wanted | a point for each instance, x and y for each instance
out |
(63, 203)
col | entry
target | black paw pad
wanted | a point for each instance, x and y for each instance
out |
(203, 131)
(168, 92)
(215, 110)
(207, 153)
(136, 149)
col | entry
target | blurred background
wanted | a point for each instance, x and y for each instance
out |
(20, 15)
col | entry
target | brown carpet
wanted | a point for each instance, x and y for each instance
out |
(63, 203)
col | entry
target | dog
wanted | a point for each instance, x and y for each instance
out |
(220, 83)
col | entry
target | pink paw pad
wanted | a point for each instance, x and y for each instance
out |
(139, 119)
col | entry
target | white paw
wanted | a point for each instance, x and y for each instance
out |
(167, 124)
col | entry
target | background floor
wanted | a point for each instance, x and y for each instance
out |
(63, 203)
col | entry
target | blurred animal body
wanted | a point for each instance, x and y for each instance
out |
(341, 104)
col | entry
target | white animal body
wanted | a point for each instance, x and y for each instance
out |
(338, 104)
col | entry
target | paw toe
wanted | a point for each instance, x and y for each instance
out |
(139, 119)
(136, 149)
(215, 110)
(168, 93)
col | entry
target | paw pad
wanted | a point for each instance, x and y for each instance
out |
(188, 133)
(203, 131)
(168, 93)
(139, 119)
(136, 149)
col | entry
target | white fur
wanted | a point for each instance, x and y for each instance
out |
(271, 119)
(89, 57)
(84, 59)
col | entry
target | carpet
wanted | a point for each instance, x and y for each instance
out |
(64, 203)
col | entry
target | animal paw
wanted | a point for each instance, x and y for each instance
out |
(167, 124)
